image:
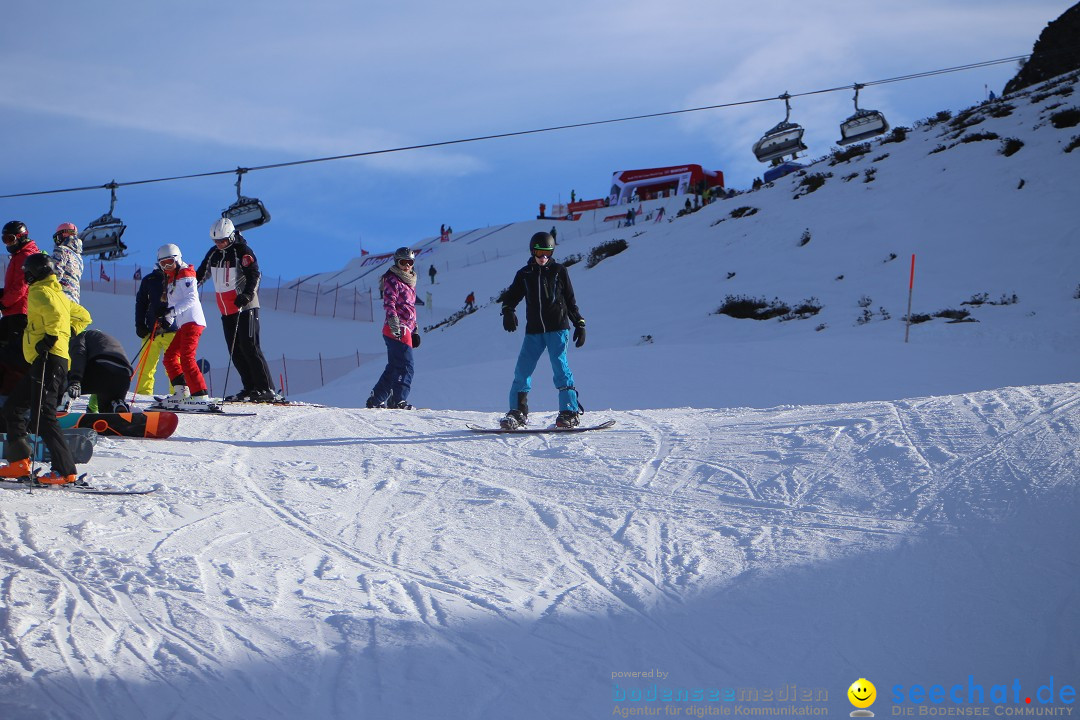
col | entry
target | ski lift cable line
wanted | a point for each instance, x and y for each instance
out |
(518, 133)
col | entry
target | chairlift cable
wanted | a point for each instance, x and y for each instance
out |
(571, 126)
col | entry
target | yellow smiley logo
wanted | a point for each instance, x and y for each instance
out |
(862, 693)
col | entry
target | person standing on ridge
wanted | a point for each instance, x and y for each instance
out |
(550, 311)
(155, 334)
(51, 316)
(68, 258)
(431, 273)
(183, 309)
(399, 333)
(470, 302)
(236, 275)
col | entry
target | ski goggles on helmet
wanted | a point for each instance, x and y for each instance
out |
(10, 238)
(540, 252)
(406, 261)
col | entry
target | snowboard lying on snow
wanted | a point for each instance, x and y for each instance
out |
(138, 424)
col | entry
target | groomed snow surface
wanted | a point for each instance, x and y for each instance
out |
(319, 563)
(781, 508)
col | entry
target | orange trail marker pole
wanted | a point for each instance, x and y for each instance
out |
(910, 288)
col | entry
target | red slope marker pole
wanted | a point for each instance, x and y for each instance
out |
(910, 288)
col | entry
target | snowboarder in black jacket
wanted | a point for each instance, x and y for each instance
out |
(550, 312)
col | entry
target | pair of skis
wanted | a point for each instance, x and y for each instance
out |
(214, 409)
(81, 486)
(219, 408)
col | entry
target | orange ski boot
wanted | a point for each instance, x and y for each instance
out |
(55, 478)
(16, 469)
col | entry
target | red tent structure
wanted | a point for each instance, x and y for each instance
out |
(662, 182)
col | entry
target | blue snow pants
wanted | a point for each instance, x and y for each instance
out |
(531, 349)
(396, 381)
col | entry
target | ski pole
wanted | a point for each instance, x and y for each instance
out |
(142, 348)
(37, 425)
(232, 346)
(145, 353)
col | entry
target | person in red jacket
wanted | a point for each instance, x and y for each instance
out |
(13, 305)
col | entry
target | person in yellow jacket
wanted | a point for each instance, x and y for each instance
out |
(155, 334)
(51, 318)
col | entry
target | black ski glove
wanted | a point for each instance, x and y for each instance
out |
(74, 389)
(241, 300)
(579, 334)
(142, 331)
(509, 319)
(162, 312)
(415, 339)
(44, 345)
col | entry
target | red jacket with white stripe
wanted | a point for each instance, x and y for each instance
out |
(235, 271)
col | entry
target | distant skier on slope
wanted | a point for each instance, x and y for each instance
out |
(550, 311)
(400, 334)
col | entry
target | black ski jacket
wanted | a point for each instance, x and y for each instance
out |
(550, 305)
(148, 301)
(95, 346)
(235, 271)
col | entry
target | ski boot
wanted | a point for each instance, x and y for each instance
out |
(174, 401)
(513, 420)
(372, 403)
(55, 478)
(199, 402)
(568, 419)
(401, 405)
(269, 396)
(16, 469)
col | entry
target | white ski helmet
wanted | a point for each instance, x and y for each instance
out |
(222, 229)
(169, 251)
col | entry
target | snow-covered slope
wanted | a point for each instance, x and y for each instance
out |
(340, 564)
(979, 223)
(898, 512)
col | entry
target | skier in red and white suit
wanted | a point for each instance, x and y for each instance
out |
(236, 276)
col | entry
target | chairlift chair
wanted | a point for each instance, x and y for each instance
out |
(245, 213)
(863, 125)
(782, 140)
(101, 237)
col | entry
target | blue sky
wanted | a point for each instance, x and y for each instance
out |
(134, 91)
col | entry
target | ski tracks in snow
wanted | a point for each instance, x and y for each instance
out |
(324, 546)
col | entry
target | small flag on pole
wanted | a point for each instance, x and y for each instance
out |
(138, 274)
(104, 276)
